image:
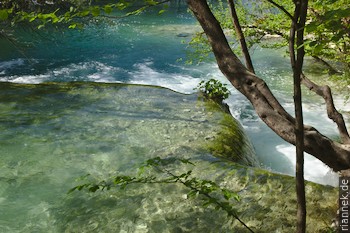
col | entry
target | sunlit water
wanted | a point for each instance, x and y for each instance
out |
(140, 50)
(53, 134)
(145, 50)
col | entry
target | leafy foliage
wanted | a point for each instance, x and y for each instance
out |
(214, 90)
(327, 28)
(329, 31)
(212, 193)
(198, 49)
(71, 12)
(343, 81)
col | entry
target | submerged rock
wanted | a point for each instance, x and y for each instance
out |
(54, 133)
(184, 34)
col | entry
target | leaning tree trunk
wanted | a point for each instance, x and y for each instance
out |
(334, 154)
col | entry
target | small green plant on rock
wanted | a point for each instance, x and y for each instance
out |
(214, 90)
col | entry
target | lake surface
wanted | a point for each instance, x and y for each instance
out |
(148, 49)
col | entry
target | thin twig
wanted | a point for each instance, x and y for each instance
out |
(282, 9)
(208, 196)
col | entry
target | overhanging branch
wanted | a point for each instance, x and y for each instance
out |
(333, 113)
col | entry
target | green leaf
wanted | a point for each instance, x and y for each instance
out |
(71, 190)
(72, 26)
(311, 27)
(84, 13)
(211, 200)
(313, 43)
(4, 15)
(186, 161)
(236, 197)
(108, 9)
(94, 188)
(82, 177)
(121, 6)
(318, 48)
(95, 11)
(32, 18)
(227, 194)
(192, 193)
(151, 2)
(161, 12)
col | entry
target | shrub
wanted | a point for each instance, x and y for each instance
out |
(214, 90)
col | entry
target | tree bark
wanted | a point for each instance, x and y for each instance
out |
(334, 154)
(297, 60)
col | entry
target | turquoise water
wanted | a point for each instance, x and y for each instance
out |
(107, 51)
(143, 50)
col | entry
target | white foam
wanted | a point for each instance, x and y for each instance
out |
(12, 63)
(26, 79)
(314, 114)
(145, 74)
(83, 71)
(104, 73)
(314, 169)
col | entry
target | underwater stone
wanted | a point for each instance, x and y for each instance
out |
(184, 34)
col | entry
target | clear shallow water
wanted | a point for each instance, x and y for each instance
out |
(53, 134)
(145, 50)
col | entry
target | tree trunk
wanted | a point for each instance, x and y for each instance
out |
(240, 35)
(334, 154)
(297, 60)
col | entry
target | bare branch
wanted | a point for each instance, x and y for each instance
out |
(267, 31)
(282, 9)
(331, 69)
(326, 94)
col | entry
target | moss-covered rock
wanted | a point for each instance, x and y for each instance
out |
(230, 141)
